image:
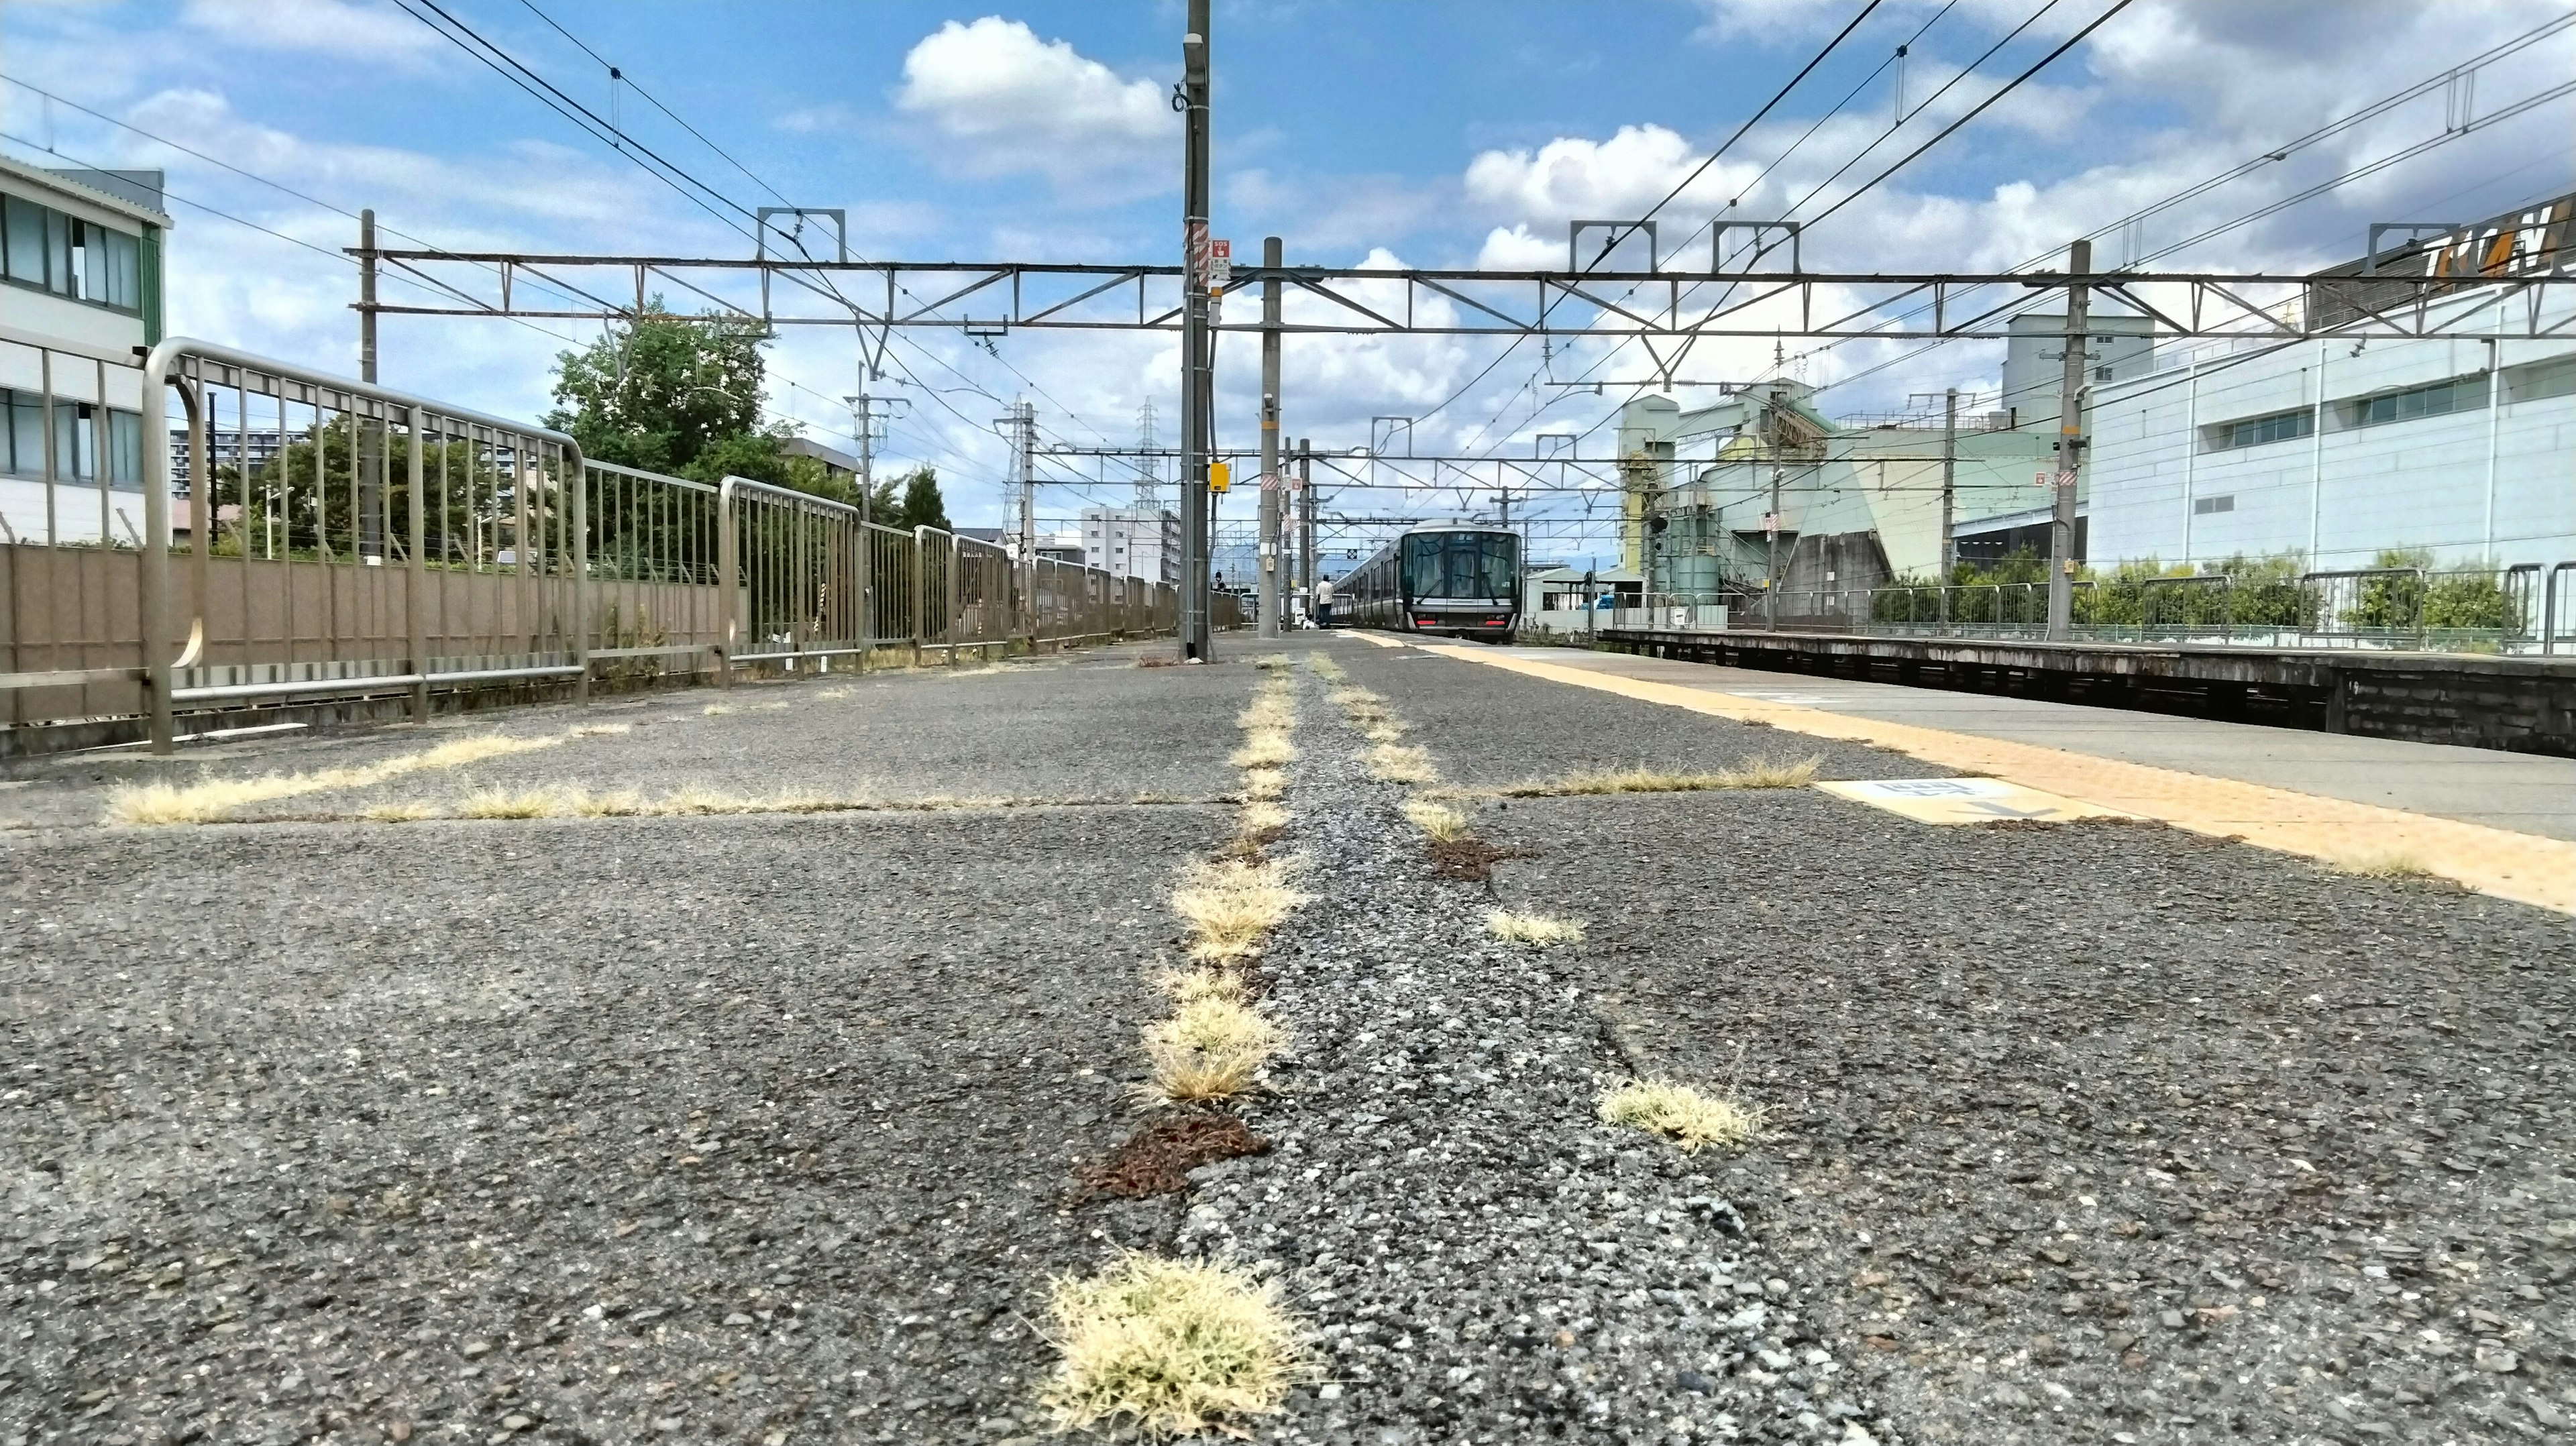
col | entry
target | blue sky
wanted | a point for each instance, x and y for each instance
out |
(1423, 133)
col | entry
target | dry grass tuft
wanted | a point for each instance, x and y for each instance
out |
(1438, 822)
(1272, 662)
(841, 692)
(1231, 904)
(602, 730)
(1385, 730)
(1681, 1114)
(1392, 763)
(2387, 864)
(501, 803)
(1172, 1346)
(1751, 773)
(1325, 668)
(1261, 817)
(1265, 785)
(399, 813)
(1271, 710)
(581, 803)
(214, 800)
(1361, 704)
(1265, 748)
(1190, 986)
(1539, 929)
(716, 710)
(1210, 1049)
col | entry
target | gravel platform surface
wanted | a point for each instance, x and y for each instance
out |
(741, 1129)
(2109, 1133)
(1482, 1260)
(1088, 724)
(1489, 728)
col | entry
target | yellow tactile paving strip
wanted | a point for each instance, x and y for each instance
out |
(2522, 867)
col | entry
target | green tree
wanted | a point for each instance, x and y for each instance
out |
(920, 505)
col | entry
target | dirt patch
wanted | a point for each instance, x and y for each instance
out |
(1158, 1159)
(1471, 859)
(1158, 660)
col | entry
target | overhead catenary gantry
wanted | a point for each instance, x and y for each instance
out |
(995, 298)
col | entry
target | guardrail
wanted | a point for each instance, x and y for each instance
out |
(2524, 608)
(396, 547)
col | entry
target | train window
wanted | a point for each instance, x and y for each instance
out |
(1460, 565)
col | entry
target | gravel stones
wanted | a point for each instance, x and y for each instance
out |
(2107, 1134)
(1482, 1259)
(756, 1129)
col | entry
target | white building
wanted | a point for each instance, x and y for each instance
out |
(1133, 542)
(80, 300)
(2338, 450)
(2115, 347)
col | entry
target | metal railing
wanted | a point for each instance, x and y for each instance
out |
(2523, 608)
(375, 544)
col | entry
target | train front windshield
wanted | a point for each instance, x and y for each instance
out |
(1477, 565)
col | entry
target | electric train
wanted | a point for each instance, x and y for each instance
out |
(1462, 581)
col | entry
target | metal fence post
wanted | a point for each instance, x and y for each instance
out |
(956, 599)
(577, 472)
(728, 579)
(155, 561)
(920, 592)
(416, 576)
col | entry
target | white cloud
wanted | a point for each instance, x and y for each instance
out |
(1513, 248)
(1005, 102)
(332, 27)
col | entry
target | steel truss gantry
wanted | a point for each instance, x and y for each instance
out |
(990, 299)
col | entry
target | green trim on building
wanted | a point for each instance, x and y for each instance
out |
(151, 288)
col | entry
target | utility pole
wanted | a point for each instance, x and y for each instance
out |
(1192, 102)
(1771, 568)
(1271, 261)
(1949, 499)
(2070, 444)
(367, 295)
(1024, 448)
(1306, 518)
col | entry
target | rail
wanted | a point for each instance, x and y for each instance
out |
(338, 541)
(2519, 609)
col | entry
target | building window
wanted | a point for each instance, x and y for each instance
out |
(22, 441)
(2204, 506)
(46, 250)
(2255, 431)
(2459, 394)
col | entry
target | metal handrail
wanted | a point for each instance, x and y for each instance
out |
(159, 663)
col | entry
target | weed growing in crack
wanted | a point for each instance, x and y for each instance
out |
(1539, 929)
(1265, 748)
(1210, 1049)
(1265, 785)
(1681, 1114)
(1751, 773)
(602, 730)
(1325, 668)
(1272, 711)
(1395, 763)
(399, 813)
(1172, 1346)
(1439, 822)
(215, 800)
(1190, 986)
(502, 803)
(2387, 864)
(1260, 817)
(1231, 904)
